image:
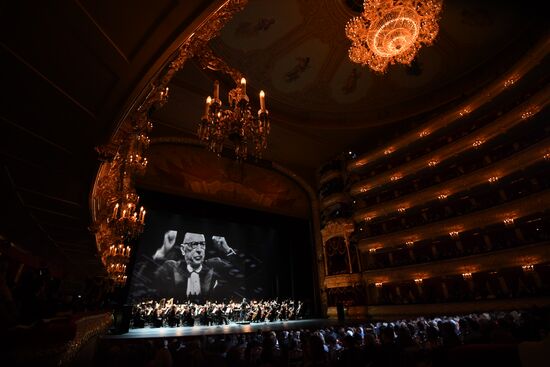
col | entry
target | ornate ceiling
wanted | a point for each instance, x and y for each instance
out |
(72, 70)
(321, 102)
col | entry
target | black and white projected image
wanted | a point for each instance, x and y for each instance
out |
(200, 260)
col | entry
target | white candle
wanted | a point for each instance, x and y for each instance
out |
(243, 85)
(216, 90)
(143, 217)
(207, 106)
(115, 211)
(262, 101)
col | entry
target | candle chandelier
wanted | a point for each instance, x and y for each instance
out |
(121, 220)
(126, 220)
(245, 130)
(116, 259)
(392, 31)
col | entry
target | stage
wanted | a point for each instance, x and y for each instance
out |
(233, 328)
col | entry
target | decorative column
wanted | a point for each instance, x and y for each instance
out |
(344, 289)
(374, 294)
(444, 289)
(519, 234)
(459, 247)
(411, 254)
(434, 251)
(503, 285)
(338, 228)
(488, 243)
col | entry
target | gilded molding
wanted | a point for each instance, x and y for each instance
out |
(338, 228)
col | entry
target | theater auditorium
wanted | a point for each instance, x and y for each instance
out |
(238, 183)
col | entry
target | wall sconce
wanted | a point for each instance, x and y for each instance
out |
(510, 81)
(418, 280)
(493, 179)
(442, 196)
(527, 268)
(372, 250)
(367, 219)
(424, 133)
(433, 163)
(508, 222)
(409, 243)
(453, 234)
(467, 276)
(477, 143)
(546, 156)
(164, 95)
(465, 111)
(401, 210)
(388, 151)
(378, 284)
(526, 114)
(395, 178)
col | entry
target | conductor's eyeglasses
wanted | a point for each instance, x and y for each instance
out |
(195, 245)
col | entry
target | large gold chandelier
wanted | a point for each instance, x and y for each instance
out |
(120, 219)
(392, 31)
(245, 130)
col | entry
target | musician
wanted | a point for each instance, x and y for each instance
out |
(256, 312)
(138, 319)
(188, 316)
(172, 316)
(158, 317)
(219, 315)
(167, 313)
(244, 309)
(193, 276)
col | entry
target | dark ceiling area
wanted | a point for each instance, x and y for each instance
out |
(72, 69)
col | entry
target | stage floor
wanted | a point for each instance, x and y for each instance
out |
(233, 328)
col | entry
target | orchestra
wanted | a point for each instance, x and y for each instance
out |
(167, 313)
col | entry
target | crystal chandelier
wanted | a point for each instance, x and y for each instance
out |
(392, 31)
(246, 131)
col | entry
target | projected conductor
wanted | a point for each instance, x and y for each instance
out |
(194, 276)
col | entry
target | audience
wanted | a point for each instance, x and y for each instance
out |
(474, 339)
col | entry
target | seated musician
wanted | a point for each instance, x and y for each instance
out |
(172, 317)
(138, 317)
